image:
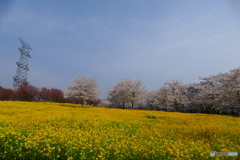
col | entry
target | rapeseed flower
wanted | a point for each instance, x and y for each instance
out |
(47, 130)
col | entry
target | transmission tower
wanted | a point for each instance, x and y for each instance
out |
(22, 64)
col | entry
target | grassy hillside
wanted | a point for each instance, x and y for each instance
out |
(37, 130)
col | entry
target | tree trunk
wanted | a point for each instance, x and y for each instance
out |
(132, 104)
(123, 105)
(165, 106)
(176, 105)
(238, 95)
(82, 102)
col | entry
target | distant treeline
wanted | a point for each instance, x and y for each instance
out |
(216, 94)
(27, 92)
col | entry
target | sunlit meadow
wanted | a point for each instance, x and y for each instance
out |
(40, 130)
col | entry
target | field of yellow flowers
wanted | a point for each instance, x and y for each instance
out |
(44, 130)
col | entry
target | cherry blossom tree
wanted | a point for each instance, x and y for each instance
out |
(164, 98)
(105, 103)
(176, 94)
(150, 99)
(83, 89)
(193, 91)
(232, 90)
(134, 90)
(216, 93)
(127, 91)
(118, 95)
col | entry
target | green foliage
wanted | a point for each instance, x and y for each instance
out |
(151, 117)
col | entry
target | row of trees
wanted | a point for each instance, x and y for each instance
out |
(217, 94)
(27, 92)
(84, 90)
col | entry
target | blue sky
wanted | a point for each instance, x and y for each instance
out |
(153, 41)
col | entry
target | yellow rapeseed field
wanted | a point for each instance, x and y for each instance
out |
(44, 130)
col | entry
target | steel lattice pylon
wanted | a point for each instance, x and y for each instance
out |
(22, 64)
